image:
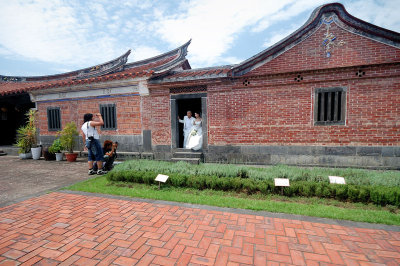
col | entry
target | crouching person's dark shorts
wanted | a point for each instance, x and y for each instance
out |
(95, 151)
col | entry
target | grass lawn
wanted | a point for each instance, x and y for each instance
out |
(316, 207)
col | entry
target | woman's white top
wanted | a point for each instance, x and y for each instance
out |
(198, 126)
(195, 141)
(89, 131)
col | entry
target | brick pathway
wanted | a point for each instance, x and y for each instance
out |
(62, 228)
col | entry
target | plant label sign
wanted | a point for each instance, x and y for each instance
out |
(162, 178)
(282, 182)
(337, 180)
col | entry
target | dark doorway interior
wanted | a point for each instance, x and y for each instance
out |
(12, 116)
(185, 105)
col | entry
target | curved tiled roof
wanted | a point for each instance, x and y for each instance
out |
(101, 69)
(363, 28)
(195, 74)
(111, 70)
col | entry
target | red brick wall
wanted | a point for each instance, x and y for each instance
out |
(310, 53)
(128, 114)
(276, 110)
(156, 116)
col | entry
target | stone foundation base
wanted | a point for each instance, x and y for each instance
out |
(347, 156)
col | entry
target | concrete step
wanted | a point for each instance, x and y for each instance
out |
(10, 150)
(187, 154)
(188, 160)
(185, 150)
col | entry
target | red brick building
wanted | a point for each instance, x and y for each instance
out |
(328, 94)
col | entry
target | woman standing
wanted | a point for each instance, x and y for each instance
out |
(91, 138)
(195, 139)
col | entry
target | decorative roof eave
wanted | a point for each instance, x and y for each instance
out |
(180, 51)
(193, 75)
(102, 84)
(77, 84)
(186, 65)
(178, 79)
(105, 68)
(363, 28)
(92, 71)
(172, 59)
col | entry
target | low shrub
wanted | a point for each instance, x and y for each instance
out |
(379, 195)
(315, 174)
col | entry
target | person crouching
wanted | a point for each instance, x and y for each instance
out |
(110, 153)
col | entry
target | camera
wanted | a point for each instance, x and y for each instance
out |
(91, 138)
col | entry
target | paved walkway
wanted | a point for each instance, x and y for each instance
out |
(66, 228)
(22, 179)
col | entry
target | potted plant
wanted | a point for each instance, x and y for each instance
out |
(26, 137)
(36, 150)
(67, 140)
(56, 148)
(48, 156)
(24, 142)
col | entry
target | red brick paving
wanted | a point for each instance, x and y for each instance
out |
(70, 229)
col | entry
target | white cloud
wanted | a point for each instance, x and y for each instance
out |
(55, 31)
(214, 25)
(76, 34)
(286, 13)
(143, 52)
(4, 51)
(230, 60)
(98, 10)
(383, 13)
(278, 36)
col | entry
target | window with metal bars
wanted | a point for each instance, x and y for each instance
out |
(54, 118)
(109, 114)
(330, 106)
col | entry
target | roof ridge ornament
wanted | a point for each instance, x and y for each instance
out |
(344, 20)
(12, 79)
(329, 38)
(103, 69)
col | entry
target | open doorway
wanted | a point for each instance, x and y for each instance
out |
(180, 104)
(184, 105)
(12, 116)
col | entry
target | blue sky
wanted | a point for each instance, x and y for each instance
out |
(46, 37)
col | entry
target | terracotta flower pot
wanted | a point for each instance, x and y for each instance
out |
(71, 157)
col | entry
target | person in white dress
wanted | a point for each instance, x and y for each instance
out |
(195, 138)
(187, 126)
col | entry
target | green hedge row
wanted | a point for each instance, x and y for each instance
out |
(379, 195)
(310, 174)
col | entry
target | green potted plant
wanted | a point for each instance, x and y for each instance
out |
(24, 142)
(56, 148)
(26, 137)
(67, 140)
(48, 156)
(36, 150)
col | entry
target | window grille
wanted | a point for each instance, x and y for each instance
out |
(54, 118)
(109, 114)
(330, 106)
